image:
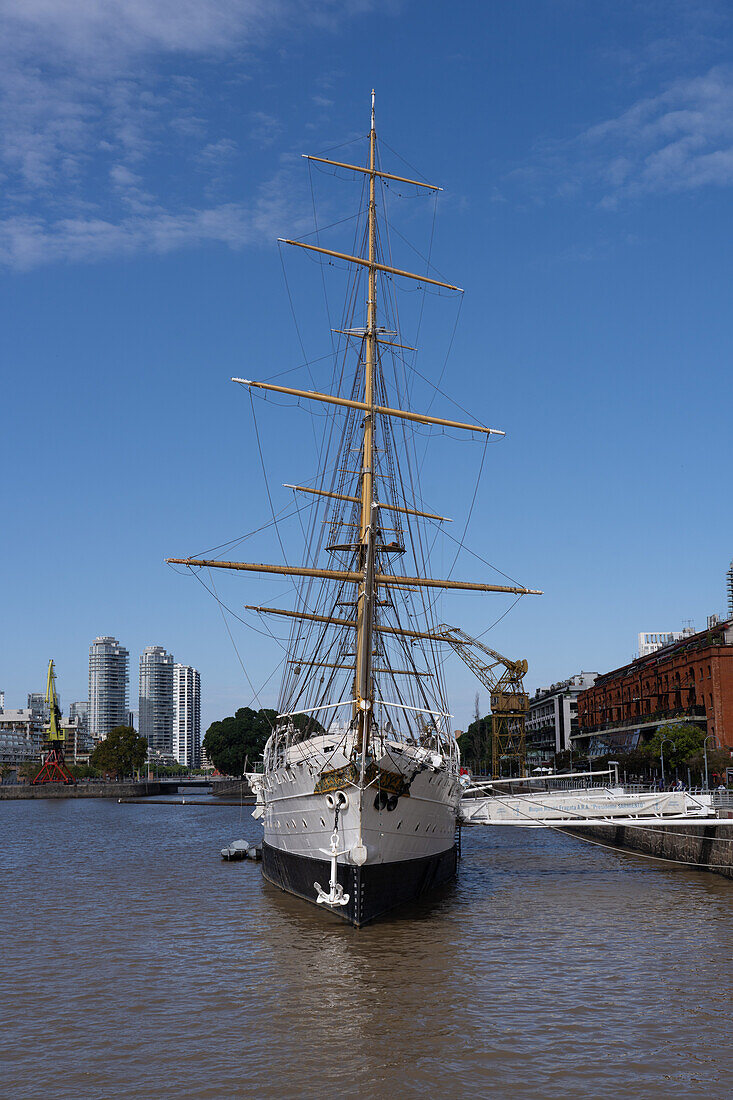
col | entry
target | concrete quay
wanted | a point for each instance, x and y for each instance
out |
(231, 788)
(707, 847)
(84, 790)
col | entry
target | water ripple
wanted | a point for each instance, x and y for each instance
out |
(137, 963)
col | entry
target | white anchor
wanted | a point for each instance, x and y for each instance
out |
(336, 895)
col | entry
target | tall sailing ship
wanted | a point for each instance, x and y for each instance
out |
(361, 781)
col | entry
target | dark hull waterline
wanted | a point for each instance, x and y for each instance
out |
(373, 889)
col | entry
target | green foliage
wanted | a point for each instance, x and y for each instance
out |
(29, 769)
(121, 752)
(229, 742)
(687, 742)
(718, 761)
(475, 746)
(82, 771)
(172, 770)
(232, 741)
(644, 762)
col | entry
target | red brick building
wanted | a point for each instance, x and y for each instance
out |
(689, 681)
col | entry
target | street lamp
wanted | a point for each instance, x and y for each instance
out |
(705, 752)
(661, 752)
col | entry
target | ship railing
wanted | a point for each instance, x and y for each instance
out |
(286, 737)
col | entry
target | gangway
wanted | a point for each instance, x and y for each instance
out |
(605, 803)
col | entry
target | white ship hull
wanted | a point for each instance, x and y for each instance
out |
(363, 817)
(393, 835)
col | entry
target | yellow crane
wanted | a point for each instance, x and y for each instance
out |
(53, 769)
(509, 701)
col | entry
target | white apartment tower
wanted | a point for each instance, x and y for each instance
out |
(156, 699)
(187, 715)
(108, 680)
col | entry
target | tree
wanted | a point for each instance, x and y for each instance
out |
(231, 741)
(164, 770)
(687, 743)
(718, 761)
(475, 745)
(29, 768)
(121, 752)
(83, 771)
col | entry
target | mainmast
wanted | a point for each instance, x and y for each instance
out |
(364, 573)
(363, 692)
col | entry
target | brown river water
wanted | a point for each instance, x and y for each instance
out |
(136, 963)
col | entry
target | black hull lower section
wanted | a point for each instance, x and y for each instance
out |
(373, 889)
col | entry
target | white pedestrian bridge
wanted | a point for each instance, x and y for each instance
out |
(588, 798)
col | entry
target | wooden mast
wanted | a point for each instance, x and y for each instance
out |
(364, 573)
(363, 690)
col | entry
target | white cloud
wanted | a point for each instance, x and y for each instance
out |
(104, 33)
(677, 140)
(90, 107)
(26, 241)
(218, 152)
(265, 128)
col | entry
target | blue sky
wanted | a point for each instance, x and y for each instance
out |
(150, 159)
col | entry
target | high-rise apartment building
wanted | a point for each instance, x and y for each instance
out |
(108, 680)
(79, 714)
(729, 589)
(156, 699)
(187, 715)
(39, 708)
(80, 710)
